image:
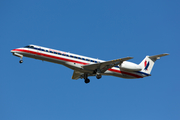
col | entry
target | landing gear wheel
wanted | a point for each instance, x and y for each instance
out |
(21, 61)
(98, 76)
(86, 80)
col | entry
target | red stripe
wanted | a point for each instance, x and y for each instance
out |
(134, 75)
(50, 56)
(64, 59)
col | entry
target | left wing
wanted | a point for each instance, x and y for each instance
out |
(76, 75)
(105, 65)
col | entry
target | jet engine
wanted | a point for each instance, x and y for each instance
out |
(129, 66)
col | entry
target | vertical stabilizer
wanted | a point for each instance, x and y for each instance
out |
(148, 62)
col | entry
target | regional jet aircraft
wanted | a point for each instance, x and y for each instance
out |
(85, 66)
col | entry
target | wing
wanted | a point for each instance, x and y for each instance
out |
(105, 65)
(76, 75)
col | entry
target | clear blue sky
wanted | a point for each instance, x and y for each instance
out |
(101, 29)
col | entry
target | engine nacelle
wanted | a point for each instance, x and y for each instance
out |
(130, 66)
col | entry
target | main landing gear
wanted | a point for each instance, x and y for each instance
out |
(86, 80)
(98, 75)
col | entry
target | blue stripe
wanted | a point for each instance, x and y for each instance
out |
(143, 73)
(138, 71)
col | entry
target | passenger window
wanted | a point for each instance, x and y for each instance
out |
(50, 51)
(59, 53)
(55, 52)
(47, 51)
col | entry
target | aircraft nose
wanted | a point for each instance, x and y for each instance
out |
(13, 50)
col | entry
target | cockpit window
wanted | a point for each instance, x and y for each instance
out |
(27, 46)
(31, 46)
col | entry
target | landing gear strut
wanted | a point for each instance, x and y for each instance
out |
(86, 80)
(19, 55)
(21, 61)
(98, 73)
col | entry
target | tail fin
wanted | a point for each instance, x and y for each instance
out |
(148, 62)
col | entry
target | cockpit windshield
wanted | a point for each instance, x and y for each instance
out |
(29, 46)
(26, 46)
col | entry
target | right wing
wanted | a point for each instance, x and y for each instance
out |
(103, 66)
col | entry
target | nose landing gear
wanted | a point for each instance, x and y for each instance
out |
(19, 55)
(86, 80)
(21, 61)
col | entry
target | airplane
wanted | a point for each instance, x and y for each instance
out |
(85, 66)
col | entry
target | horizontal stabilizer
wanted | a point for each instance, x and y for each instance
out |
(155, 57)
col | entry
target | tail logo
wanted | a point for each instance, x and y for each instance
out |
(146, 65)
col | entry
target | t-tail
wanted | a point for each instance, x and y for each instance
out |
(148, 63)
